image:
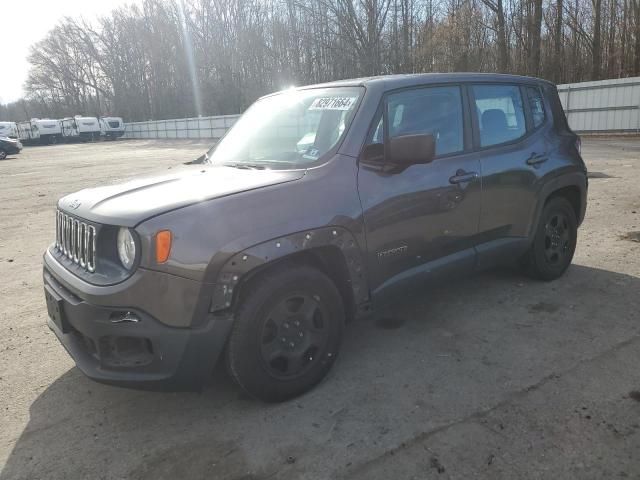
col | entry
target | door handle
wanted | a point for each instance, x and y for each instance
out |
(462, 177)
(537, 158)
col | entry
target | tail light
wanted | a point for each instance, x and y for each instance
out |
(579, 145)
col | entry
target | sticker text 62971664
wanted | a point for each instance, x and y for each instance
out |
(333, 103)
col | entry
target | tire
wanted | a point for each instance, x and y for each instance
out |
(287, 333)
(3, 154)
(555, 241)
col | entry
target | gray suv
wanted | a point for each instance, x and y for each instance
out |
(321, 204)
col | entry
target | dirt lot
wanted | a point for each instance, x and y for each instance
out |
(494, 376)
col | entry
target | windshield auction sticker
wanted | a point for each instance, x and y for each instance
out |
(333, 103)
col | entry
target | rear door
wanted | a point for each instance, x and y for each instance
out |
(510, 135)
(421, 220)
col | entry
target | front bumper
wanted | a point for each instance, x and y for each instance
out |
(12, 149)
(114, 133)
(147, 354)
(85, 135)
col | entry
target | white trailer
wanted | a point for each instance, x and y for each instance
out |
(88, 127)
(111, 127)
(46, 129)
(25, 132)
(8, 129)
(69, 129)
(80, 128)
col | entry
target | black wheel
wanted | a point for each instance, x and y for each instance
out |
(555, 241)
(287, 333)
(3, 154)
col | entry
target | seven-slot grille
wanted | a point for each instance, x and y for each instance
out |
(76, 240)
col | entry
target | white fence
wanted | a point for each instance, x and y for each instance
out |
(605, 106)
(199, 127)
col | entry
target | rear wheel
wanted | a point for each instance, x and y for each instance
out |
(555, 242)
(287, 333)
(3, 154)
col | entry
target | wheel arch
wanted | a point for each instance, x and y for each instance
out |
(333, 250)
(572, 186)
(572, 194)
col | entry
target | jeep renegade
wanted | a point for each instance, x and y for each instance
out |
(319, 205)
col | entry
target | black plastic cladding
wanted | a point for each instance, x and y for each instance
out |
(259, 255)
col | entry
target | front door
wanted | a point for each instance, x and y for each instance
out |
(422, 220)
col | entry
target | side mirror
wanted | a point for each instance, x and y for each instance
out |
(373, 153)
(408, 150)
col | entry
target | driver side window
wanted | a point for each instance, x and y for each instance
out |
(432, 110)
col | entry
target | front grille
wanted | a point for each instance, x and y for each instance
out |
(76, 240)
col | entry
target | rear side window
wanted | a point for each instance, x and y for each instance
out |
(500, 113)
(433, 110)
(536, 105)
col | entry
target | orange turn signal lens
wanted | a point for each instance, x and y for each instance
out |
(163, 245)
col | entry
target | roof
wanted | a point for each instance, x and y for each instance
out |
(414, 79)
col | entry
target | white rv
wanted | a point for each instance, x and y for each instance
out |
(111, 127)
(69, 129)
(88, 127)
(8, 129)
(25, 132)
(46, 129)
(80, 128)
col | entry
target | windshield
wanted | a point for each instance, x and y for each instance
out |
(292, 129)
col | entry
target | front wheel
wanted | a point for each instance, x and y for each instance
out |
(3, 154)
(555, 241)
(287, 332)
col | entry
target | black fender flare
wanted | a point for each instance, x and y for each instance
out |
(238, 267)
(572, 179)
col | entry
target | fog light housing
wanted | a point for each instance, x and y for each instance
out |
(126, 351)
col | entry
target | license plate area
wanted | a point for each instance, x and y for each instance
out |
(55, 308)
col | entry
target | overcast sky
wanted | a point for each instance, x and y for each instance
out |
(26, 22)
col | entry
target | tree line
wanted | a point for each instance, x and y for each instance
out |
(180, 58)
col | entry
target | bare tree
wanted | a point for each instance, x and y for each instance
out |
(497, 8)
(178, 58)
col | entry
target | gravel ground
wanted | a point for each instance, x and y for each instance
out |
(494, 376)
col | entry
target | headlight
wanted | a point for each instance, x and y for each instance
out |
(126, 248)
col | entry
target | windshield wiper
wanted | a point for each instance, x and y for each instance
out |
(202, 159)
(246, 166)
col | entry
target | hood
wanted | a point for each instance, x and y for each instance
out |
(128, 204)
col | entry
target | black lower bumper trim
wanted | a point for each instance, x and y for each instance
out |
(146, 354)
